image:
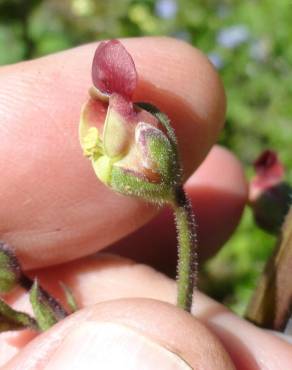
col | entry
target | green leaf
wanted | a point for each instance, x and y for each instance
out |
(46, 309)
(71, 301)
(10, 270)
(11, 319)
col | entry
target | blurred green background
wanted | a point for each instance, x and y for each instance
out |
(247, 41)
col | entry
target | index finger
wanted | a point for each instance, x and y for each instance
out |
(52, 208)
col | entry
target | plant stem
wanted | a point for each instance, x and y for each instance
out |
(187, 254)
(270, 305)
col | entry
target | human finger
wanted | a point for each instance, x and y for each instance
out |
(105, 278)
(129, 333)
(49, 194)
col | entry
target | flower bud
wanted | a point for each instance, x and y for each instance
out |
(10, 270)
(132, 147)
(269, 195)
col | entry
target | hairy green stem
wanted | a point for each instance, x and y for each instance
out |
(187, 254)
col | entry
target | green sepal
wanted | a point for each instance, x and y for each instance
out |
(71, 301)
(46, 309)
(159, 173)
(11, 319)
(157, 151)
(10, 270)
(165, 122)
(133, 184)
(162, 118)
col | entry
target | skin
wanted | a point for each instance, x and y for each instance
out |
(53, 210)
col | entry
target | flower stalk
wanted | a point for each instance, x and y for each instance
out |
(133, 150)
(187, 254)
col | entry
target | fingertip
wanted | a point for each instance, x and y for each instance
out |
(138, 333)
(60, 201)
(223, 170)
(219, 191)
(180, 79)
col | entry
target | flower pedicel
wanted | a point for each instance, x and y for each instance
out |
(133, 150)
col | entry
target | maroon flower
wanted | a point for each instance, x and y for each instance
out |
(124, 139)
(133, 150)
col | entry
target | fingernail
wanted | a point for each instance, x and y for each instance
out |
(111, 346)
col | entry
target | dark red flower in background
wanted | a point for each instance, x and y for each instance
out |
(269, 195)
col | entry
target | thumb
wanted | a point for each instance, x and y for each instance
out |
(125, 334)
(59, 201)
